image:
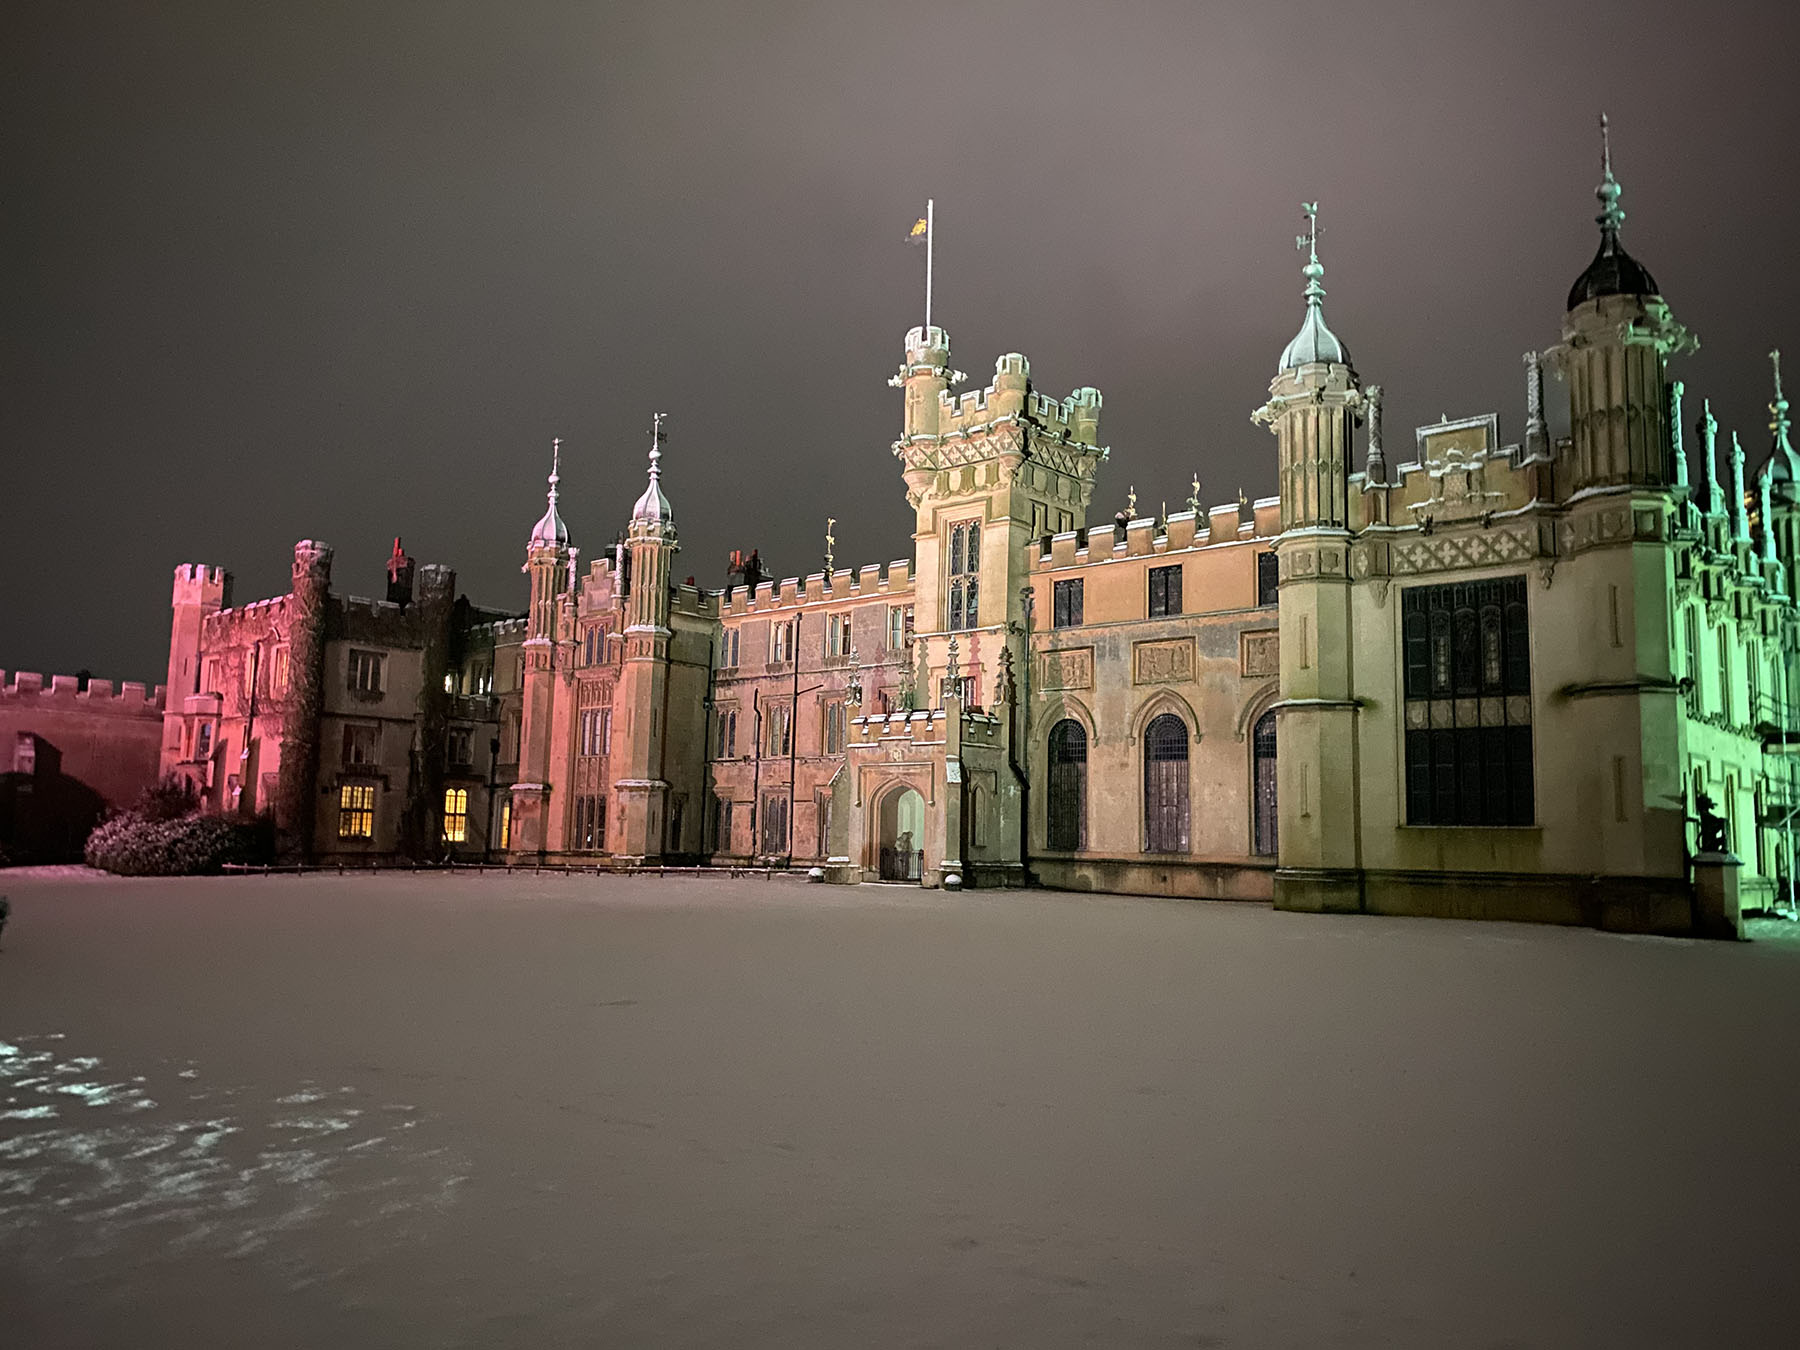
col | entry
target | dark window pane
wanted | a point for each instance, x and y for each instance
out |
(1263, 784)
(1166, 785)
(1068, 786)
(1165, 591)
(1268, 578)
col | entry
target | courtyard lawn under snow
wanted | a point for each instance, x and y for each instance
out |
(429, 1111)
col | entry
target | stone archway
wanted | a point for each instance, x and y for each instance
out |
(901, 835)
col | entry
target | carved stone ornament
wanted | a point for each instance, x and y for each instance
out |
(1162, 662)
(1072, 668)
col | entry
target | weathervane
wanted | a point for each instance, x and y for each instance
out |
(1309, 242)
(657, 437)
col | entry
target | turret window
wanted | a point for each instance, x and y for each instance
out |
(964, 577)
(1468, 704)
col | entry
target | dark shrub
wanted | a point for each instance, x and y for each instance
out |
(168, 800)
(134, 845)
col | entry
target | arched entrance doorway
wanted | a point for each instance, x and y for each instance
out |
(902, 835)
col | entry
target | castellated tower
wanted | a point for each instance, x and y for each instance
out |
(989, 475)
(1315, 403)
(199, 591)
(547, 562)
(296, 799)
(641, 778)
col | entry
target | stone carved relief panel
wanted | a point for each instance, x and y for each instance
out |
(1069, 669)
(1259, 653)
(1162, 662)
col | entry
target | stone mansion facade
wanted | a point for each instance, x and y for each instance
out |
(1473, 678)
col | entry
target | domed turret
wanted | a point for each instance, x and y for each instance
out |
(1613, 271)
(653, 508)
(1315, 342)
(550, 532)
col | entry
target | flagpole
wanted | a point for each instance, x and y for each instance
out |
(930, 243)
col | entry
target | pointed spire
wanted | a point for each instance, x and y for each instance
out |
(1375, 464)
(550, 532)
(653, 508)
(1708, 427)
(1740, 503)
(1537, 433)
(1613, 270)
(1784, 464)
(1765, 518)
(1612, 215)
(1315, 342)
(1676, 447)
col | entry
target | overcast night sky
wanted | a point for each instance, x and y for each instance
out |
(342, 271)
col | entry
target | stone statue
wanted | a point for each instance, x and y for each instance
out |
(1712, 826)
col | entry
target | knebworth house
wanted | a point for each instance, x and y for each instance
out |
(1463, 678)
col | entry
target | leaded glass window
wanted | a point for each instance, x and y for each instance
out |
(1468, 703)
(1166, 785)
(1067, 820)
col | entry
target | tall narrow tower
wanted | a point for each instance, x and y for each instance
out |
(547, 564)
(642, 694)
(1315, 402)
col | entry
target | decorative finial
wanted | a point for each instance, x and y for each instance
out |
(657, 437)
(1611, 216)
(555, 466)
(830, 544)
(1308, 243)
(1778, 410)
(1375, 464)
(1740, 500)
(1131, 502)
(1194, 500)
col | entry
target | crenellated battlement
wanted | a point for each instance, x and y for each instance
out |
(1147, 535)
(502, 630)
(1010, 398)
(132, 697)
(865, 583)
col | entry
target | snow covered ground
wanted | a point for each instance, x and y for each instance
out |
(419, 1111)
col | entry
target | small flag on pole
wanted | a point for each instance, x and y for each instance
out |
(920, 232)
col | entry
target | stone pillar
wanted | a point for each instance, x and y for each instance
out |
(1716, 912)
(297, 791)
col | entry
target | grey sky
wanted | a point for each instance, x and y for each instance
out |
(341, 271)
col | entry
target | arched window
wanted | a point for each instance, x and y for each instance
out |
(1262, 782)
(1166, 785)
(1068, 787)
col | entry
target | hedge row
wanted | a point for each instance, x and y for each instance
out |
(135, 844)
